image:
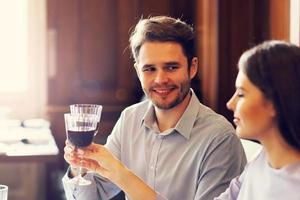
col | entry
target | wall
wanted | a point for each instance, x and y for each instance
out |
(226, 29)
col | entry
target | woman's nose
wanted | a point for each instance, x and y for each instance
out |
(231, 103)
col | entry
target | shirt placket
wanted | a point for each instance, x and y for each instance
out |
(154, 159)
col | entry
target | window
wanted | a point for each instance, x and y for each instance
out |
(22, 57)
(295, 21)
(13, 46)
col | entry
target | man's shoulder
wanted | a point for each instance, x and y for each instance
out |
(136, 109)
(207, 115)
(212, 122)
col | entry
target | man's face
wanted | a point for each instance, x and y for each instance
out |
(163, 71)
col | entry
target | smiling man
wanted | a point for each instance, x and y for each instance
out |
(169, 146)
(164, 73)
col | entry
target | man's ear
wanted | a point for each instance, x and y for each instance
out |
(137, 69)
(194, 67)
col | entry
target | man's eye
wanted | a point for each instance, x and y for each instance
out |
(148, 69)
(171, 68)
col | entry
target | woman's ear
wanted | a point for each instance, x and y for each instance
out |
(273, 113)
(271, 108)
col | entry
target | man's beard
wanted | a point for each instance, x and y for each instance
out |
(182, 93)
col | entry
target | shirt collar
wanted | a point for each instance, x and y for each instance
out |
(149, 119)
(185, 124)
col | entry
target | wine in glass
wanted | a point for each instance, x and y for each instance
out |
(87, 109)
(80, 129)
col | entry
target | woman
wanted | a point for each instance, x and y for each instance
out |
(266, 108)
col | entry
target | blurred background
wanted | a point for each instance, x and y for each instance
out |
(54, 53)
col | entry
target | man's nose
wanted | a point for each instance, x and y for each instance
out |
(161, 77)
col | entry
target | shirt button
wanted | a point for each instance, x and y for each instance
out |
(160, 136)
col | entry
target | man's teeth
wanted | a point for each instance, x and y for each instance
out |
(163, 91)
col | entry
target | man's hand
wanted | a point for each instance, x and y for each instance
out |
(97, 158)
(72, 158)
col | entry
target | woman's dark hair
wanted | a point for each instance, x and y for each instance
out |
(163, 29)
(274, 67)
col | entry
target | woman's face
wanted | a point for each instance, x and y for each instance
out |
(254, 115)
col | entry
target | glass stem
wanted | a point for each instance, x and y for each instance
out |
(80, 168)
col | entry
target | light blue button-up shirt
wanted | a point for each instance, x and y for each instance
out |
(195, 160)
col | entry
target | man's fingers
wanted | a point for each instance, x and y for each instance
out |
(92, 152)
(88, 163)
(68, 149)
(94, 166)
(73, 161)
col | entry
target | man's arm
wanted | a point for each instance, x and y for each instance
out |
(98, 158)
(100, 188)
(225, 159)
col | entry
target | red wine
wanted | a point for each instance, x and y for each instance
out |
(81, 138)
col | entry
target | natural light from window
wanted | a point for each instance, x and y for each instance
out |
(23, 66)
(295, 21)
(13, 46)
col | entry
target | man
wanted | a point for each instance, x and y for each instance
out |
(169, 146)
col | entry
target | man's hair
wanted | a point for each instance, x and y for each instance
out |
(163, 29)
(274, 67)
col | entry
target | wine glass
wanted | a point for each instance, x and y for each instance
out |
(87, 109)
(80, 129)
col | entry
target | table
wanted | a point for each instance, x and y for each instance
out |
(24, 154)
(27, 144)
